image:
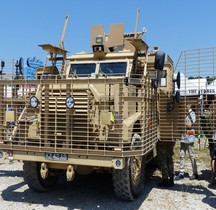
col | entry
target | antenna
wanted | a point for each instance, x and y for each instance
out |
(137, 20)
(63, 32)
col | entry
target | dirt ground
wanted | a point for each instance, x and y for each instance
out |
(186, 193)
(96, 191)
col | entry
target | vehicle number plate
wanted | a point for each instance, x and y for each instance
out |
(56, 156)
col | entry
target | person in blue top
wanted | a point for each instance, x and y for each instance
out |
(187, 144)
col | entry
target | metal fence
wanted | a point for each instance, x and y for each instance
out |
(198, 87)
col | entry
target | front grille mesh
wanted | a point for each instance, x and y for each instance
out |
(106, 115)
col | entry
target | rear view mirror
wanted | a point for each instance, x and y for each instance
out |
(159, 60)
(21, 65)
(154, 83)
(2, 64)
(177, 96)
(178, 80)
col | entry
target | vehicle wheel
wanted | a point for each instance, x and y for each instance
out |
(34, 180)
(128, 182)
(159, 60)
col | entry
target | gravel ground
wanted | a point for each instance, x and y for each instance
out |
(96, 192)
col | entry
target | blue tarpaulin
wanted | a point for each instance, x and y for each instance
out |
(32, 65)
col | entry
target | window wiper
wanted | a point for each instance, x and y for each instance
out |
(103, 74)
(75, 75)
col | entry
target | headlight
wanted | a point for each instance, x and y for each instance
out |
(33, 102)
(70, 102)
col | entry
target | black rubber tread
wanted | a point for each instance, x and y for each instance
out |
(123, 186)
(159, 60)
(178, 80)
(34, 180)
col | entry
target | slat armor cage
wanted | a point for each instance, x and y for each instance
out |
(99, 126)
(198, 88)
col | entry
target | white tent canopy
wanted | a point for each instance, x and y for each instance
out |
(195, 87)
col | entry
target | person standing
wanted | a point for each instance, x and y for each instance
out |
(208, 122)
(187, 144)
(213, 159)
(165, 156)
(212, 143)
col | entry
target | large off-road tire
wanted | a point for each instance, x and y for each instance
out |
(34, 180)
(128, 182)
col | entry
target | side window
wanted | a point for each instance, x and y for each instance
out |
(163, 78)
(152, 74)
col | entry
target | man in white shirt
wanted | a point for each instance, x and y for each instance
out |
(187, 144)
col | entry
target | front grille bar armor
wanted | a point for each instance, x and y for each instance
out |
(54, 128)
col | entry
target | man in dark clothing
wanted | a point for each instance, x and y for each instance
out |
(208, 120)
(165, 156)
(212, 141)
(212, 147)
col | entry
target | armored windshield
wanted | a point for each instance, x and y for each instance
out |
(113, 69)
(105, 69)
(82, 70)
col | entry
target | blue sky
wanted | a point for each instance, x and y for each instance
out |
(172, 25)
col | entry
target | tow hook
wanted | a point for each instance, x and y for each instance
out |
(44, 170)
(70, 173)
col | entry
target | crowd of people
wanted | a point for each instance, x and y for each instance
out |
(166, 148)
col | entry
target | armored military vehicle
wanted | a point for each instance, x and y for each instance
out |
(90, 111)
